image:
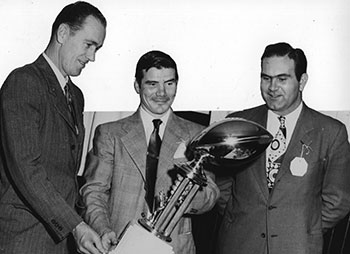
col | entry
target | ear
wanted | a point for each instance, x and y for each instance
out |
(62, 33)
(303, 80)
(137, 87)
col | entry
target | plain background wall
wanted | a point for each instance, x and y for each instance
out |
(217, 45)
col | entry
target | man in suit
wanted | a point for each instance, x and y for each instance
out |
(41, 141)
(116, 175)
(285, 200)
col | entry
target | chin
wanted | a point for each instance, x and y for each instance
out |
(159, 111)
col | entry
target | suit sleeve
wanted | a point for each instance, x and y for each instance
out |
(207, 196)
(224, 184)
(22, 115)
(98, 175)
(336, 184)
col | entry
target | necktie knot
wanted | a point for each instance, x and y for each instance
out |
(68, 95)
(156, 123)
(282, 120)
(283, 128)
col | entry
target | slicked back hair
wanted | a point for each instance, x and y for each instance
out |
(284, 49)
(74, 16)
(157, 59)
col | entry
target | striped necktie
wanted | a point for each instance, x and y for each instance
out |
(71, 106)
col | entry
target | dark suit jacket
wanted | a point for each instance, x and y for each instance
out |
(40, 156)
(114, 191)
(290, 219)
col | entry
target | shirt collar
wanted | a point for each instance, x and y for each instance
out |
(61, 79)
(147, 119)
(291, 120)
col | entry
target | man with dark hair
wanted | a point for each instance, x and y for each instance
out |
(119, 184)
(42, 133)
(285, 200)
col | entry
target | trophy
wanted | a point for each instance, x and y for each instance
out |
(227, 143)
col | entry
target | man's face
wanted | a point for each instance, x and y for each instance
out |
(157, 90)
(80, 47)
(279, 86)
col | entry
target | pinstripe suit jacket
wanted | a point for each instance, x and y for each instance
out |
(115, 174)
(292, 217)
(40, 156)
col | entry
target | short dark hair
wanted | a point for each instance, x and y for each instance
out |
(157, 59)
(74, 16)
(284, 49)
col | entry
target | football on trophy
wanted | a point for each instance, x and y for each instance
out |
(231, 141)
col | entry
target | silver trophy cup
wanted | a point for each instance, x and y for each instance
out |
(228, 143)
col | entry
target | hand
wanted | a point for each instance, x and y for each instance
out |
(88, 241)
(108, 240)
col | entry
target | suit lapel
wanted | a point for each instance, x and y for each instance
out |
(300, 136)
(55, 91)
(259, 168)
(174, 134)
(135, 142)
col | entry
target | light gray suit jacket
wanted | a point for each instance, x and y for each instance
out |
(115, 174)
(40, 157)
(292, 218)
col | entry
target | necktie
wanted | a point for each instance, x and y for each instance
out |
(277, 148)
(70, 106)
(152, 163)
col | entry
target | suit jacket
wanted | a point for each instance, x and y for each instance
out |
(292, 218)
(40, 156)
(114, 191)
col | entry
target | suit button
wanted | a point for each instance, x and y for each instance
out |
(263, 235)
(72, 147)
(271, 207)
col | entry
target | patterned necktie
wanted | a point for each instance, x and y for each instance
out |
(277, 148)
(70, 106)
(152, 163)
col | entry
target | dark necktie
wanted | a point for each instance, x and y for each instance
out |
(152, 163)
(70, 106)
(277, 148)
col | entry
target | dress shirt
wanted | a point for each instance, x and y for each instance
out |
(273, 123)
(147, 119)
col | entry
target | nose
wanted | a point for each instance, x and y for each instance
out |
(273, 85)
(161, 89)
(91, 55)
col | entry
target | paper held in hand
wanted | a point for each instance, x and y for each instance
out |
(136, 239)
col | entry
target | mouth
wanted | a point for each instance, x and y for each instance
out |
(274, 96)
(82, 63)
(161, 100)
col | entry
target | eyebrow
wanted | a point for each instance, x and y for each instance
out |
(277, 76)
(154, 81)
(170, 80)
(94, 43)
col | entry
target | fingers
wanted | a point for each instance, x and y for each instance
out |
(92, 247)
(88, 241)
(108, 240)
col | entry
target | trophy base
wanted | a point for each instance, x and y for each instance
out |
(143, 222)
(137, 239)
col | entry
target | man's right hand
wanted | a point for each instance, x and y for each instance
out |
(87, 240)
(109, 239)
